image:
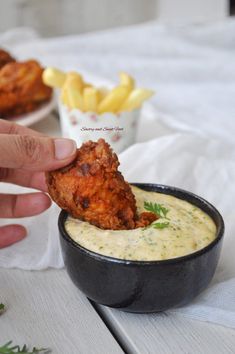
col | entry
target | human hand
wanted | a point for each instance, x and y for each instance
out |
(24, 156)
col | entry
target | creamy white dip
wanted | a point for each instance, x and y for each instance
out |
(188, 230)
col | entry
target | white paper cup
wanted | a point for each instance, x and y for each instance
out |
(119, 130)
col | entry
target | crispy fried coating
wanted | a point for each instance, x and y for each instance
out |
(92, 189)
(21, 88)
(5, 58)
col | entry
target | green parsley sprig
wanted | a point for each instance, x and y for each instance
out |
(2, 308)
(9, 349)
(160, 211)
(157, 209)
(160, 225)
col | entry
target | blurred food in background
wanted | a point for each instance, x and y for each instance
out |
(5, 58)
(21, 87)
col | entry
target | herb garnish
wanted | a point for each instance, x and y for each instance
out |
(160, 211)
(160, 225)
(8, 349)
(157, 209)
(2, 307)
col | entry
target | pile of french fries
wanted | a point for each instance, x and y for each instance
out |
(77, 94)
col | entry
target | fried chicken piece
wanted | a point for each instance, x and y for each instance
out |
(146, 218)
(92, 189)
(21, 88)
(5, 58)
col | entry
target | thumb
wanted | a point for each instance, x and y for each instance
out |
(35, 153)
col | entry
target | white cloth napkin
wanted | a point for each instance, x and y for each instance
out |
(185, 138)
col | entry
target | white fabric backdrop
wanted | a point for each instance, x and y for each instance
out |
(185, 137)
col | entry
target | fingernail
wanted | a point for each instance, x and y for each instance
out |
(64, 148)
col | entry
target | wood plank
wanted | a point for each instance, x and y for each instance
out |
(45, 309)
(167, 334)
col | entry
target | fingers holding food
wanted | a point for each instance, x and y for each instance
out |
(10, 234)
(22, 205)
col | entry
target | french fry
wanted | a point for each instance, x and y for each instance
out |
(74, 81)
(127, 80)
(86, 84)
(135, 99)
(113, 101)
(90, 99)
(72, 88)
(64, 97)
(53, 77)
(74, 98)
(102, 93)
(78, 94)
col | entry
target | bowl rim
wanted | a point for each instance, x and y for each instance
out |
(161, 189)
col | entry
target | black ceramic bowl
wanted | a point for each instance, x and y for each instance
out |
(143, 286)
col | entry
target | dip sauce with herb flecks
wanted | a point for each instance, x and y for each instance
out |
(182, 229)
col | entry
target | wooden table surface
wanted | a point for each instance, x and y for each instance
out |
(44, 308)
